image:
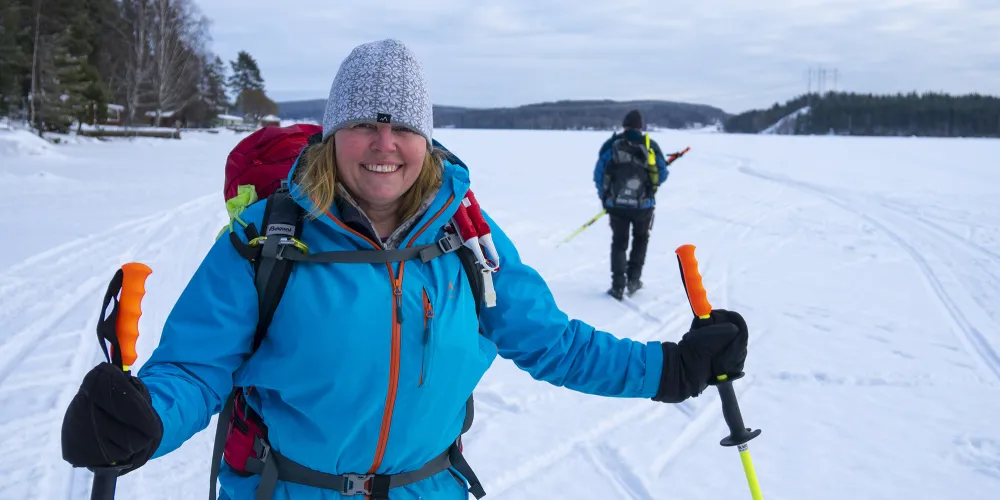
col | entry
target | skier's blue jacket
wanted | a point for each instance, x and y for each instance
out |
(604, 156)
(342, 381)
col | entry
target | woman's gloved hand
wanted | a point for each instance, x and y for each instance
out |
(111, 420)
(714, 346)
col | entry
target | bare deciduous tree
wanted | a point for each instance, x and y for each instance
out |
(135, 31)
(176, 35)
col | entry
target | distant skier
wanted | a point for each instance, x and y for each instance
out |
(630, 167)
(361, 387)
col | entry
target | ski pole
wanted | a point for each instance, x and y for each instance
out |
(585, 226)
(675, 156)
(739, 435)
(120, 329)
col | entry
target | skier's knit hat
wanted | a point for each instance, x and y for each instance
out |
(633, 119)
(380, 81)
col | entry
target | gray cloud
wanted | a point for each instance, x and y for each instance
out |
(729, 53)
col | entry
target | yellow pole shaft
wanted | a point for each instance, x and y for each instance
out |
(751, 474)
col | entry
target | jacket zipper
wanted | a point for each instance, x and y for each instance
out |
(425, 364)
(397, 328)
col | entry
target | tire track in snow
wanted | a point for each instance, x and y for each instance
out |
(972, 338)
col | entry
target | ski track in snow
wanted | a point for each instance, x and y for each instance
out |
(49, 314)
(703, 415)
(981, 454)
(891, 223)
(531, 467)
(611, 464)
(42, 361)
(709, 416)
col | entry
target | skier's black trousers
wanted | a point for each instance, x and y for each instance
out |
(640, 222)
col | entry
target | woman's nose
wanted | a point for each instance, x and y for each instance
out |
(384, 138)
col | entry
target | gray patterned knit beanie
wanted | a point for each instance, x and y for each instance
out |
(380, 81)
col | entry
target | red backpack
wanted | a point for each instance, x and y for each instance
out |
(257, 169)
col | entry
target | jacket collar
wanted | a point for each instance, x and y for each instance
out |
(355, 217)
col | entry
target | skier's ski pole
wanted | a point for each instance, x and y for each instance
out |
(739, 435)
(585, 226)
(675, 156)
(120, 329)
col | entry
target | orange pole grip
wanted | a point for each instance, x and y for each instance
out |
(130, 308)
(697, 296)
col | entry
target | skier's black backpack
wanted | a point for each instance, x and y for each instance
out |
(629, 176)
(241, 437)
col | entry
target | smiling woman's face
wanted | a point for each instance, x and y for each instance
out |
(378, 162)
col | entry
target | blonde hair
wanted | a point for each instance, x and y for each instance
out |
(318, 179)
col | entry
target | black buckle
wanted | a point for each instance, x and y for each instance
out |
(357, 484)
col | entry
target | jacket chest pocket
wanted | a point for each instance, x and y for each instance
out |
(449, 340)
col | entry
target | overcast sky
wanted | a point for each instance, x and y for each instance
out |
(733, 54)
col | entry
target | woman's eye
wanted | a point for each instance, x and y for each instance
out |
(403, 129)
(367, 126)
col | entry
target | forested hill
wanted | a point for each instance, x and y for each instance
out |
(929, 114)
(603, 114)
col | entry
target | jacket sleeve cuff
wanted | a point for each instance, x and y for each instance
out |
(159, 406)
(654, 369)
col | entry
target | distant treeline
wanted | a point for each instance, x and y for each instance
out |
(929, 114)
(563, 115)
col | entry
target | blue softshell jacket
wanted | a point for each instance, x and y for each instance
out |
(604, 156)
(344, 379)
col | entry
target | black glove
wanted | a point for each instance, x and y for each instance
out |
(111, 420)
(714, 346)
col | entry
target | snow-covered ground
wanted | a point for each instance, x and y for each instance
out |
(868, 270)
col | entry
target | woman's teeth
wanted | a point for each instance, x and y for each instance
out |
(385, 169)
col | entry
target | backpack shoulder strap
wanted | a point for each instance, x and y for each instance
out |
(474, 275)
(654, 172)
(282, 218)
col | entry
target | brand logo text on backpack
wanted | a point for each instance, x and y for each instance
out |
(281, 229)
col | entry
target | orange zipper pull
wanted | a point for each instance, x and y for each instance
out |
(397, 292)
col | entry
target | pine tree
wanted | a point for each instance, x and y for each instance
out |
(63, 78)
(246, 74)
(15, 61)
(211, 93)
(215, 85)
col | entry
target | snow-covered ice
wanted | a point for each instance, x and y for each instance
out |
(868, 270)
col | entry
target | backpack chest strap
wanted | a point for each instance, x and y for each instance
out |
(277, 248)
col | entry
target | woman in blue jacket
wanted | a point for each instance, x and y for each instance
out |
(363, 378)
